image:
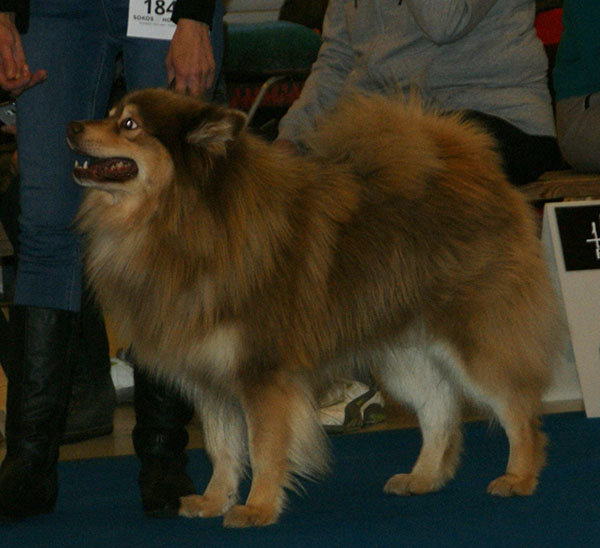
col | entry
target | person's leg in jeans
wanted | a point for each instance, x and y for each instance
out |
(70, 40)
(93, 398)
(160, 436)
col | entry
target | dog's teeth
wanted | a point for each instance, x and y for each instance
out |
(85, 164)
(76, 163)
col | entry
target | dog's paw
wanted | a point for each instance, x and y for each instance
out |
(509, 485)
(201, 506)
(250, 515)
(410, 484)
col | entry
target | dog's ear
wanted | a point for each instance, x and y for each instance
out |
(216, 128)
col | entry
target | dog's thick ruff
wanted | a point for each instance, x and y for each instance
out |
(246, 277)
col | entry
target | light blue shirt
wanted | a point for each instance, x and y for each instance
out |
(463, 54)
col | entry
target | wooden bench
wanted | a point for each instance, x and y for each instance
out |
(563, 185)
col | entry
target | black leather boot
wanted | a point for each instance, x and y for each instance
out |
(39, 382)
(93, 397)
(160, 438)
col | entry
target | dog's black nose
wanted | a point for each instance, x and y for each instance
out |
(73, 128)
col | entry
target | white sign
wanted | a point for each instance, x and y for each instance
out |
(570, 235)
(151, 19)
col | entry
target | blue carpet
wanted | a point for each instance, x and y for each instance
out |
(99, 507)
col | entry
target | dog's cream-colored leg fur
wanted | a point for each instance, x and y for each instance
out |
(412, 377)
(430, 380)
(225, 441)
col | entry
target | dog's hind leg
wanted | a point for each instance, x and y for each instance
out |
(224, 432)
(284, 439)
(510, 384)
(413, 377)
(527, 450)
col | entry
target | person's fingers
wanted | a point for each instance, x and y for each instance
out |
(8, 67)
(16, 86)
(15, 75)
(12, 57)
(13, 86)
(170, 69)
(38, 77)
(208, 74)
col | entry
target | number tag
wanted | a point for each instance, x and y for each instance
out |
(151, 19)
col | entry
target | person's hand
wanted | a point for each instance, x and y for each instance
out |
(190, 62)
(15, 75)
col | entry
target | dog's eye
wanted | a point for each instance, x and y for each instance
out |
(129, 123)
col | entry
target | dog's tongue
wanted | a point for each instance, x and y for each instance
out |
(108, 169)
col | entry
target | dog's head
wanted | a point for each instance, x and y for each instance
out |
(150, 139)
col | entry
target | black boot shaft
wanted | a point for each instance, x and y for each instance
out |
(39, 382)
(39, 375)
(93, 397)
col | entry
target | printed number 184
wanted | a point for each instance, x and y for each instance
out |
(159, 7)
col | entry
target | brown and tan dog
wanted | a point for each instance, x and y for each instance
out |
(245, 276)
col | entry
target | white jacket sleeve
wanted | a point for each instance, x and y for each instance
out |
(324, 85)
(445, 21)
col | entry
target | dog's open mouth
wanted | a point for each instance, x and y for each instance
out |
(105, 170)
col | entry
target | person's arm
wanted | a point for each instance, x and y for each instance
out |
(198, 10)
(324, 84)
(12, 5)
(190, 62)
(15, 75)
(445, 21)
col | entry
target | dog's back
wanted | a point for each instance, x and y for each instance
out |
(437, 234)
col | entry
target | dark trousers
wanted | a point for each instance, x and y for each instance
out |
(525, 157)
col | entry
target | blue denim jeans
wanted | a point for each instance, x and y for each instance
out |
(77, 42)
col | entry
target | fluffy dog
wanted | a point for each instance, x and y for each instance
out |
(246, 275)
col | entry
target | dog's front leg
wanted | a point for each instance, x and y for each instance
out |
(269, 436)
(225, 442)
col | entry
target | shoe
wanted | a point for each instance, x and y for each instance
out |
(350, 405)
(122, 375)
(25, 490)
(162, 483)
